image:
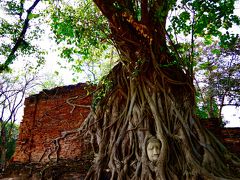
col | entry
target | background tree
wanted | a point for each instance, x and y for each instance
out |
(219, 71)
(19, 27)
(11, 131)
(15, 86)
(198, 44)
(12, 95)
(81, 34)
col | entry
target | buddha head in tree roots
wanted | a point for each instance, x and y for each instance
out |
(153, 148)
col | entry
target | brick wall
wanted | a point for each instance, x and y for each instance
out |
(46, 115)
(51, 112)
(230, 137)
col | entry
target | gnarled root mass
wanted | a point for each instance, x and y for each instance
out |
(157, 104)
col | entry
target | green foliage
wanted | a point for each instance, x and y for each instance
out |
(204, 22)
(206, 109)
(11, 130)
(13, 7)
(51, 80)
(216, 51)
(32, 16)
(181, 23)
(217, 79)
(17, 36)
(201, 110)
(205, 19)
(81, 33)
(81, 27)
(106, 85)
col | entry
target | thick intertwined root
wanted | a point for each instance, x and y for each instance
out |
(137, 109)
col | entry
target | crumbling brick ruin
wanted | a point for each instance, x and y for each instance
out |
(46, 116)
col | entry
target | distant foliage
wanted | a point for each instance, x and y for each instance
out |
(12, 135)
(19, 30)
(218, 72)
(82, 35)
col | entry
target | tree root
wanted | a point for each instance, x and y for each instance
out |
(158, 106)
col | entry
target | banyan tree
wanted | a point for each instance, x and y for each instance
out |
(150, 94)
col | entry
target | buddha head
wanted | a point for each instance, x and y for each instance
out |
(153, 148)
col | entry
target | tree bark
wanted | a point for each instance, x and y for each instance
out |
(146, 95)
(3, 149)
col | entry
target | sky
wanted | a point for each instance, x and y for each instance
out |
(231, 114)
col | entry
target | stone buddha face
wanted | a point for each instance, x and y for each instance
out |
(153, 149)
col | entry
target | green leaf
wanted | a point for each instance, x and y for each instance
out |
(33, 16)
(184, 16)
(208, 40)
(204, 65)
(216, 51)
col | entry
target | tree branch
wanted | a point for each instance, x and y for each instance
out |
(20, 39)
(144, 13)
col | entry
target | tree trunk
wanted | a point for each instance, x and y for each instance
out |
(149, 95)
(3, 149)
(3, 158)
